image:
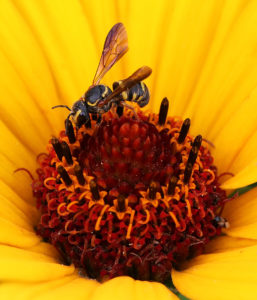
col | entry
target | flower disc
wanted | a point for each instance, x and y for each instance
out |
(134, 195)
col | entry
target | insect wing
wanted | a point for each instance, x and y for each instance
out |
(140, 74)
(115, 46)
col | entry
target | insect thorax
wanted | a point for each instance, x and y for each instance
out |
(97, 94)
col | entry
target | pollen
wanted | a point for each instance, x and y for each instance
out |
(135, 194)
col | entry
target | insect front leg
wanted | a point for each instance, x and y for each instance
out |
(69, 130)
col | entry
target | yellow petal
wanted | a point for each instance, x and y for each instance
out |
(21, 290)
(14, 155)
(246, 176)
(239, 128)
(27, 69)
(65, 288)
(242, 215)
(197, 71)
(66, 40)
(142, 50)
(205, 63)
(15, 209)
(14, 235)
(226, 275)
(22, 265)
(127, 288)
(78, 288)
(46, 249)
(197, 81)
(108, 13)
(227, 243)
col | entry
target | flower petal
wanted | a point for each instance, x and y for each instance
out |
(46, 249)
(65, 288)
(185, 44)
(204, 81)
(246, 176)
(128, 288)
(24, 67)
(14, 235)
(26, 266)
(13, 155)
(227, 243)
(106, 13)
(226, 275)
(21, 290)
(67, 43)
(242, 215)
(78, 288)
(25, 217)
(239, 128)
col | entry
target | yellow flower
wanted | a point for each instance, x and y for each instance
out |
(204, 57)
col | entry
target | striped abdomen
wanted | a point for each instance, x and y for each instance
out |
(139, 93)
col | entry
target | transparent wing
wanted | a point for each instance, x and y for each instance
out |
(115, 46)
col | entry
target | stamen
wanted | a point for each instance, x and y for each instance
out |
(94, 190)
(152, 190)
(67, 153)
(197, 141)
(120, 110)
(192, 155)
(184, 130)
(57, 148)
(188, 172)
(163, 111)
(172, 185)
(70, 131)
(121, 203)
(79, 174)
(64, 175)
(192, 158)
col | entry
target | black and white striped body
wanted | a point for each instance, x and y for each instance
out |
(139, 94)
(89, 103)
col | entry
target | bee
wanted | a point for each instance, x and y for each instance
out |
(99, 98)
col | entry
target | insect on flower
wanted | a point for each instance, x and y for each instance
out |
(99, 98)
(127, 194)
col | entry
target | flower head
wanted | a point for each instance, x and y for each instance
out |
(133, 195)
(204, 60)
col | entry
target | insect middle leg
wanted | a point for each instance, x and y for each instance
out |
(131, 108)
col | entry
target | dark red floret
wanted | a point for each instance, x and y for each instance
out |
(132, 196)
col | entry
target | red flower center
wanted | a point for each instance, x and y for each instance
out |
(135, 195)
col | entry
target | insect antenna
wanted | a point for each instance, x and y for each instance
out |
(65, 106)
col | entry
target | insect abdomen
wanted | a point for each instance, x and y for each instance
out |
(139, 93)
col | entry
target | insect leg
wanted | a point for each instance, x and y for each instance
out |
(131, 108)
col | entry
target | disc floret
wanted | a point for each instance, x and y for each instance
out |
(129, 196)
